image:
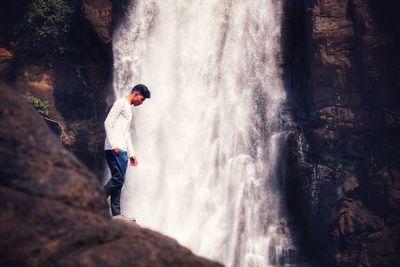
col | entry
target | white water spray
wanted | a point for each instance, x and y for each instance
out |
(208, 141)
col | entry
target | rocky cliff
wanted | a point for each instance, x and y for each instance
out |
(53, 211)
(76, 84)
(342, 66)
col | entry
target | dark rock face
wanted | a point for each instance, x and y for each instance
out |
(76, 85)
(99, 14)
(343, 162)
(52, 209)
(104, 16)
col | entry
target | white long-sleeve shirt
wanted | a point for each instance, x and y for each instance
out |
(117, 126)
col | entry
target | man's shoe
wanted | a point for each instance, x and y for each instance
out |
(128, 218)
(122, 217)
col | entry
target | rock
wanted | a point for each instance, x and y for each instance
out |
(5, 56)
(5, 53)
(354, 218)
(76, 106)
(349, 184)
(53, 211)
(384, 240)
(343, 59)
(99, 14)
(76, 84)
(37, 80)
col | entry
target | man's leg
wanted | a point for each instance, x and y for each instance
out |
(117, 164)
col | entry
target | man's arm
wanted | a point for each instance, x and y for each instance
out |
(131, 152)
(110, 121)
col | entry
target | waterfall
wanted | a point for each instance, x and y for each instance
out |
(209, 140)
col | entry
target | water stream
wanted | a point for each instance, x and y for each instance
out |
(209, 141)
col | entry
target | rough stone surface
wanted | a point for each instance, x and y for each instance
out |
(52, 209)
(343, 162)
(99, 14)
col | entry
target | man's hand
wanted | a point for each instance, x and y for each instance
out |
(115, 150)
(133, 161)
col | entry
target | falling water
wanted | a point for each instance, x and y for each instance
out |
(209, 140)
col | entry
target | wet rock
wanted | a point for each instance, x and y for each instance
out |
(343, 160)
(343, 213)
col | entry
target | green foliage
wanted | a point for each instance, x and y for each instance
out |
(42, 106)
(44, 27)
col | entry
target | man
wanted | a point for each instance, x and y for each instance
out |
(118, 146)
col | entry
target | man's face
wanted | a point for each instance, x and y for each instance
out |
(137, 99)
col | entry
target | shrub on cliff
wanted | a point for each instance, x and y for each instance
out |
(42, 106)
(44, 27)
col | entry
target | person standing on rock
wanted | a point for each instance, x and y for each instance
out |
(118, 146)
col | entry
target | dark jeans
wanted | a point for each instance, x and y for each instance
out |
(117, 165)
